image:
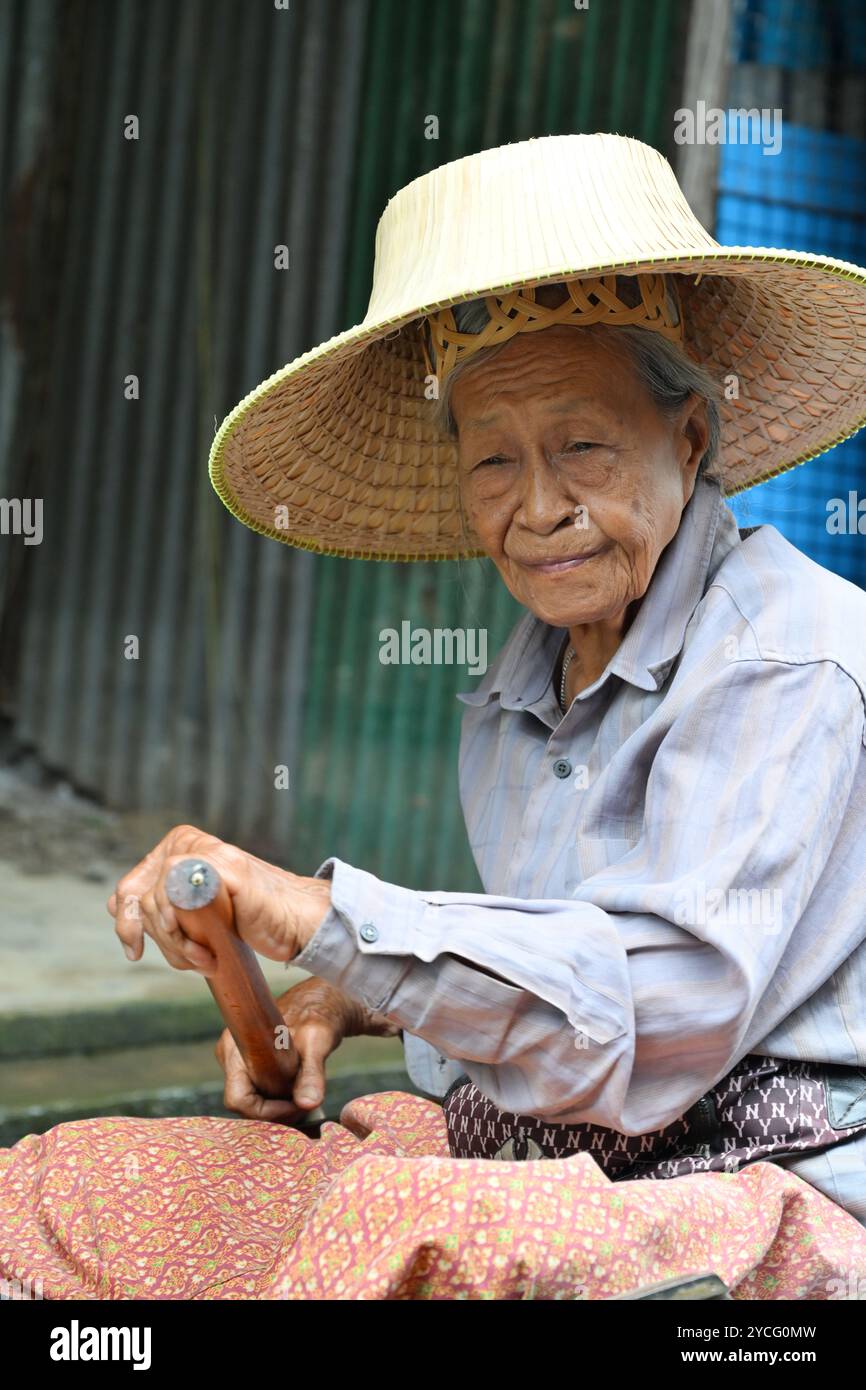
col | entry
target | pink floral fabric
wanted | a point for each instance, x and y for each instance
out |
(377, 1209)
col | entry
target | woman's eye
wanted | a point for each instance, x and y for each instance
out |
(575, 446)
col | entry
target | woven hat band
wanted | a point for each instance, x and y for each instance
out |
(587, 301)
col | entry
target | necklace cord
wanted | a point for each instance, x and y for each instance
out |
(565, 665)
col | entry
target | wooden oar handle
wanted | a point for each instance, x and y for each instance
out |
(204, 911)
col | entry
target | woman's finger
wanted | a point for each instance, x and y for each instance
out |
(198, 957)
(128, 903)
(240, 1093)
(314, 1042)
(128, 924)
(165, 931)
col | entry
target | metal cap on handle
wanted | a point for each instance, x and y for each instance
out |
(204, 911)
(192, 884)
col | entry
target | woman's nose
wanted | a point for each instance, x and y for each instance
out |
(544, 504)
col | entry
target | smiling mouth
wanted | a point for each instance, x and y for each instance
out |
(561, 566)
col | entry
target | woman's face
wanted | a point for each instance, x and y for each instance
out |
(571, 478)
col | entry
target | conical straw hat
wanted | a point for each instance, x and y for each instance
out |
(338, 451)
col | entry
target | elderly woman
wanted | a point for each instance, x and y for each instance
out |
(662, 773)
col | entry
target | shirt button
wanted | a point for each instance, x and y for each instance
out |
(369, 932)
(562, 768)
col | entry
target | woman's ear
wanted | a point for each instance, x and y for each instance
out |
(694, 437)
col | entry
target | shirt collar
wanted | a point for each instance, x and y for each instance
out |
(522, 672)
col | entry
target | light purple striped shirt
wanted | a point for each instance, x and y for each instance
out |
(674, 871)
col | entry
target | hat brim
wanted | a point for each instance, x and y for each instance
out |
(338, 453)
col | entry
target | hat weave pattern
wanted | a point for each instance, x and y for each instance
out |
(587, 302)
(340, 451)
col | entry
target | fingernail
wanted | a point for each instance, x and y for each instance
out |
(308, 1096)
(130, 952)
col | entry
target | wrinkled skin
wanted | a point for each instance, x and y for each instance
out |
(276, 913)
(559, 420)
(319, 1016)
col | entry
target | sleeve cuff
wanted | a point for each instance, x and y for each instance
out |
(364, 943)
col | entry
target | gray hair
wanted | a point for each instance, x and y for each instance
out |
(669, 375)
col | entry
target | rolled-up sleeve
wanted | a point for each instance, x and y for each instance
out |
(623, 1005)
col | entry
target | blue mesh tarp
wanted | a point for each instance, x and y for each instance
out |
(800, 34)
(807, 197)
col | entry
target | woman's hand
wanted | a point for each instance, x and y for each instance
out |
(318, 1016)
(275, 912)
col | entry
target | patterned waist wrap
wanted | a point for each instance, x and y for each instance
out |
(764, 1108)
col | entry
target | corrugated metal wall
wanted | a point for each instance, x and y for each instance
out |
(155, 258)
